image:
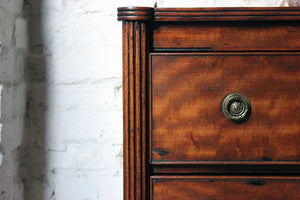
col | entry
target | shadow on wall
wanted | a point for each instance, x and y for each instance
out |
(34, 158)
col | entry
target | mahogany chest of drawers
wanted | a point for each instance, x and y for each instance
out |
(211, 103)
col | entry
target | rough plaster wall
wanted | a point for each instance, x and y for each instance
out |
(12, 96)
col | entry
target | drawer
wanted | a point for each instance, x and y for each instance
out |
(224, 188)
(227, 36)
(188, 126)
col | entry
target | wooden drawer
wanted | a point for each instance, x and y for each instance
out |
(187, 125)
(227, 36)
(224, 188)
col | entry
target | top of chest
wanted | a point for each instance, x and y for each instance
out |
(219, 29)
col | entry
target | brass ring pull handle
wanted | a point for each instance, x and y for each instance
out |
(236, 107)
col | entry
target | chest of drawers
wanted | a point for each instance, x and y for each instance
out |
(211, 103)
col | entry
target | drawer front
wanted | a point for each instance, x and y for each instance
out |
(227, 36)
(187, 124)
(224, 188)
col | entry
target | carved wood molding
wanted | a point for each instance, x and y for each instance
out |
(135, 62)
(135, 13)
(227, 14)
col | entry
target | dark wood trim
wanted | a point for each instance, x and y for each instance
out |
(226, 169)
(226, 163)
(263, 53)
(227, 14)
(135, 13)
(150, 106)
(135, 62)
(223, 177)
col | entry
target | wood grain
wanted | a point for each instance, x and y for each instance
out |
(135, 13)
(172, 119)
(227, 14)
(227, 36)
(187, 91)
(225, 187)
(135, 62)
(226, 168)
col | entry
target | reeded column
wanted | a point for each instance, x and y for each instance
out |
(136, 31)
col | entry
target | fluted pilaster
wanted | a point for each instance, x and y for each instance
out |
(136, 22)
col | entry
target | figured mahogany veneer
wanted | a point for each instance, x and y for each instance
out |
(187, 91)
(224, 187)
(178, 65)
(227, 36)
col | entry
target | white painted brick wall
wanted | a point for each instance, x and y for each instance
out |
(87, 157)
(80, 98)
(70, 145)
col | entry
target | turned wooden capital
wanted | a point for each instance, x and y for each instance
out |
(135, 14)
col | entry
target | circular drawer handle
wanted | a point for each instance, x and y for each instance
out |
(236, 107)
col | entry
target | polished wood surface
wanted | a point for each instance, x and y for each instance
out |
(227, 36)
(135, 64)
(178, 65)
(224, 188)
(135, 14)
(227, 14)
(251, 168)
(187, 92)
